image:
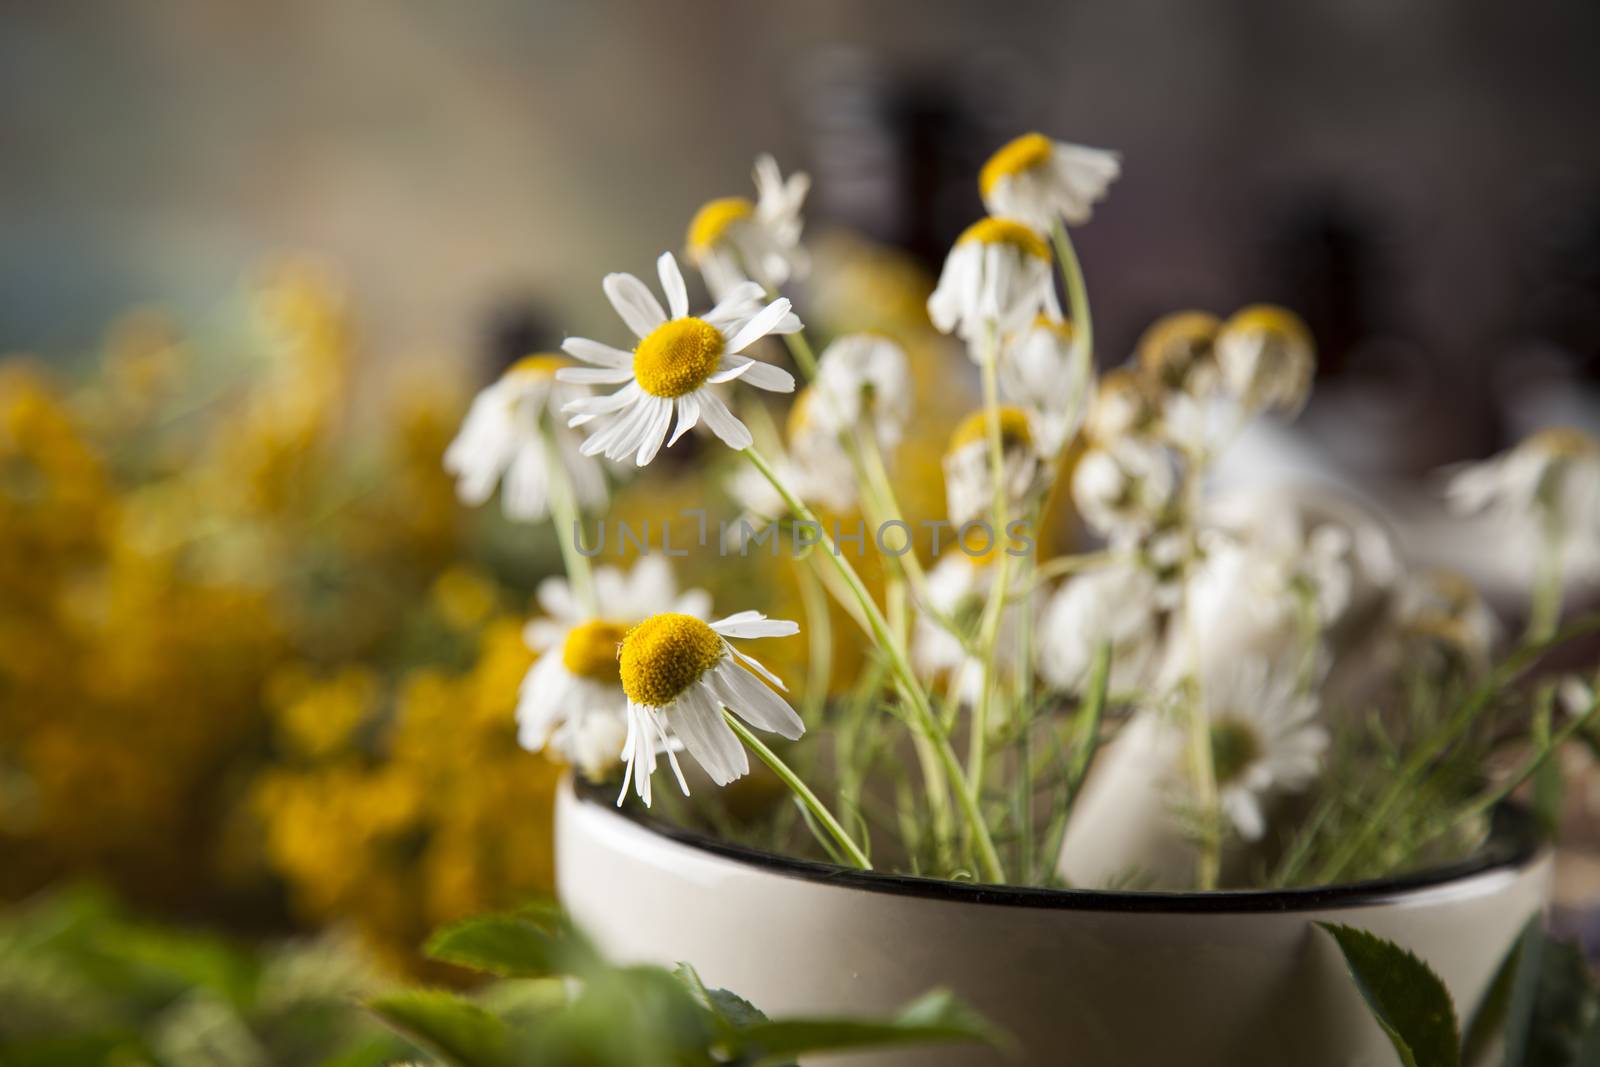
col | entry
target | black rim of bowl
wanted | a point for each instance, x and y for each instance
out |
(1513, 842)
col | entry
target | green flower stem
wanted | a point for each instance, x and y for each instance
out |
(804, 356)
(564, 513)
(994, 609)
(1022, 712)
(1077, 292)
(819, 637)
(801, 791)
(900, 664)
(1544, 611)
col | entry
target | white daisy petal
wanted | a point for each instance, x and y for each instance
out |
(688, 416)
(753, 702)
(595, 375)
(723, 423)
(672, 284)
(748, 624)
(697, 719)
(759, 326)
(596, 353)
(635, 303)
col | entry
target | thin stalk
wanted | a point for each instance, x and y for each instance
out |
(1022, 801)
(900, 664)
(564, 513)
(801, 791)
(1202, 758)
(819, 636)
(1086, 740)
(994, 610)
(1544, 612)
(1077, 291)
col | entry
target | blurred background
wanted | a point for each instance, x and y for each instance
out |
(256, 666)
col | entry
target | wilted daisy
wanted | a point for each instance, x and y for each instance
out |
(1037, 180)
(733, 241)
(1125, 488)
(1265, 739)
(968, 472)
(1546, 490)
(514, 431)
(1118, 605)
(572, 700)
(998, 274)
(864, 379)
(1125, 404)
(1446, 609)
(1043, 371)
(679, 673)
(1267, 358)
(673, 365)
(1175, 352)
(958, 587)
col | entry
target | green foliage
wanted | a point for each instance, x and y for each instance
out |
(572, 1008)
(1542, 1005)
(81, 984)
(1406, 997)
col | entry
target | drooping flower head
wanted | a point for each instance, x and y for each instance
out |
(968, 474)
(1044, 372)
(1267, 359)
(1037, 180)
(679, 673)
(513, 433)
(997, 275)
(864, 380)
(1175, 352)
(1546, 491)
(572, 700)
(1124, 405)
(673, 366)
(733, 240)
(1124, 489)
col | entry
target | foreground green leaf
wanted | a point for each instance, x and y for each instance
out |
(1406, 997)
(449, 1026)
(936, 1017)
(1493, 1014)
(535, 943)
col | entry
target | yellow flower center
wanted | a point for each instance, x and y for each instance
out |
(1061, 328)
(542, 365)
(1235, 745)
(678, 356)
(1014, 430)
(1028, 151)
(713, 221)
(992, 231)
(1564, 442)
(1279, 324)
(666, 654)
(1175, 343)
(590, 650)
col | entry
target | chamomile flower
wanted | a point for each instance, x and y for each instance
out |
(958, 587)
(814, 466)
(968, 473)
(1265, 739)
(1037, 180)
(1118, 605)
(1546, 492)
(1175, 352)
(571, 700)
(679, 673)
(864, 380)
(513, 434)
(673, 365)
(1125, 488)
(997, 276)
(1266, 358)
(733, 240)
(1445, 609)
(1124, 405)
(1044, 372)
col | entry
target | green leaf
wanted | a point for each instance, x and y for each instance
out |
(1406, 998)
(1489, 1019)
(936, 1017)
(726, 1005)
(447, 1025)
(531, 944)
(1564, 1004)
